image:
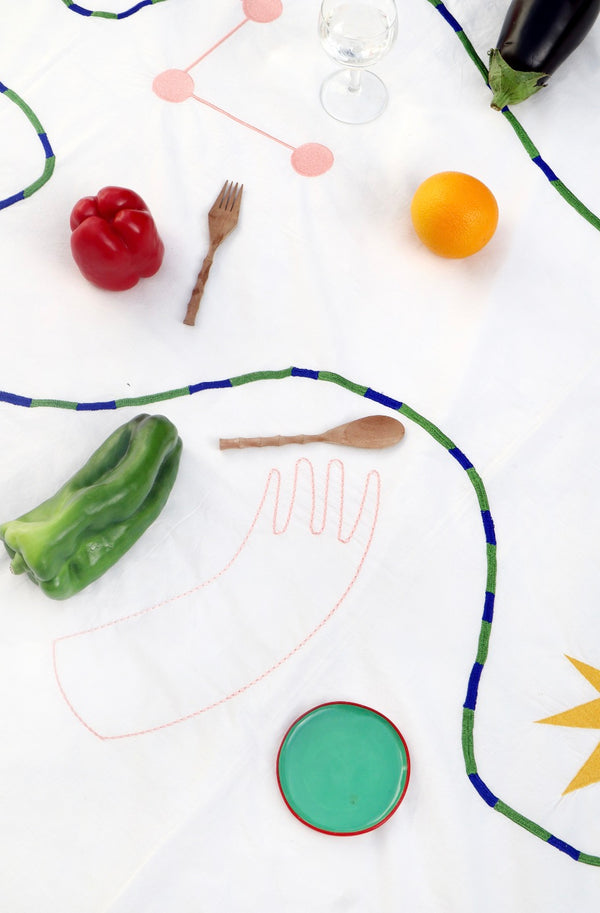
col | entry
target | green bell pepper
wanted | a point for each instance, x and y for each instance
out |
(72, 538)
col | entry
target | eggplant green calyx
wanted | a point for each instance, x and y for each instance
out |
(511, 86)
(72, 538)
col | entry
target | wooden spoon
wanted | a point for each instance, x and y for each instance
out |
(372, 432)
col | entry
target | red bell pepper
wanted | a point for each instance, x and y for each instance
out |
(114, 240)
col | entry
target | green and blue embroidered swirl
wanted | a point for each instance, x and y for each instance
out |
(489, 596)
(83, 11)
(50, 159)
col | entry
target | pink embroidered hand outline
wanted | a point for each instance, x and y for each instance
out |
(191, 653)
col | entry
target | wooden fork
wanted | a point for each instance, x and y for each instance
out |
(222, 219)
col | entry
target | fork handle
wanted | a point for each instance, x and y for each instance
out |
(198, 290)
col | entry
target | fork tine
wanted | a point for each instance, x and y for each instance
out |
(231, 195)
(237, 200)
(228, 204)
(218, 204)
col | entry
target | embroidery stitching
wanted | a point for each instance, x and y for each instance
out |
(470, 703)
(43, 138)
(174, 85)
(366, 520)
(83, 11)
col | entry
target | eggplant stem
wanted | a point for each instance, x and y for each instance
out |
(511, 86)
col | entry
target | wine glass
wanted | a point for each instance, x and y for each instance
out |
(356, 33)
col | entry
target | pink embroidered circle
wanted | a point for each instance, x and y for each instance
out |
(312, 159)
(173, 85)
(262, 10)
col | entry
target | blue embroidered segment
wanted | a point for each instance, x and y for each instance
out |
(485, 793)
(462, 459)
(539, 161)
(79, 9)
(305, 372)
(3, 88)
(46, 144)
(209, 385)
(449, 17)
(134, 9)
(488, 607)
(488, 525)
(383, 399)
(15, 399)
(564, 847)
(474, 678)
(16, 197)
(95, 407)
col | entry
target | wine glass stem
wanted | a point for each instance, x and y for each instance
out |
(354, 79)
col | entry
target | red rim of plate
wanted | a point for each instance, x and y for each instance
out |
(400, 798)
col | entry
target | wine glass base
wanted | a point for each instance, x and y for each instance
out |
(354, 106)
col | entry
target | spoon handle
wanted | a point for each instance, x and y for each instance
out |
(275, 441)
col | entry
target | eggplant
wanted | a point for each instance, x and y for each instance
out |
(536, 37)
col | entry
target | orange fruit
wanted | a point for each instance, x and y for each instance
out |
(454, 214)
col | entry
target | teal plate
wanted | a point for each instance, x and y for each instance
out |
(343, 768)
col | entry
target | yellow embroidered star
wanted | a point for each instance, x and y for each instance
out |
(584, 716)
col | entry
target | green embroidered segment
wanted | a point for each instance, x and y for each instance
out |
(577, 205)
(45, 176)
(484, 642)
(492, 568)
(467, 740)
(151, 398)
(342, 382)
(31, 117)
(522, 821)
(590, 860)
(52, 404)
(473, 54)
(477, 484)
(523, 136)
(259, 375)
(428, 426)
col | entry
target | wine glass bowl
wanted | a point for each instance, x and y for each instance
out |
(356, 34)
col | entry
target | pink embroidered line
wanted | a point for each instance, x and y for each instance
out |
(176, 85)
(274, 473)
(242, 122)
(210, 50)
(317, 532)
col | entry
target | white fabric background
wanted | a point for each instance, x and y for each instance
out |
(500, 351)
